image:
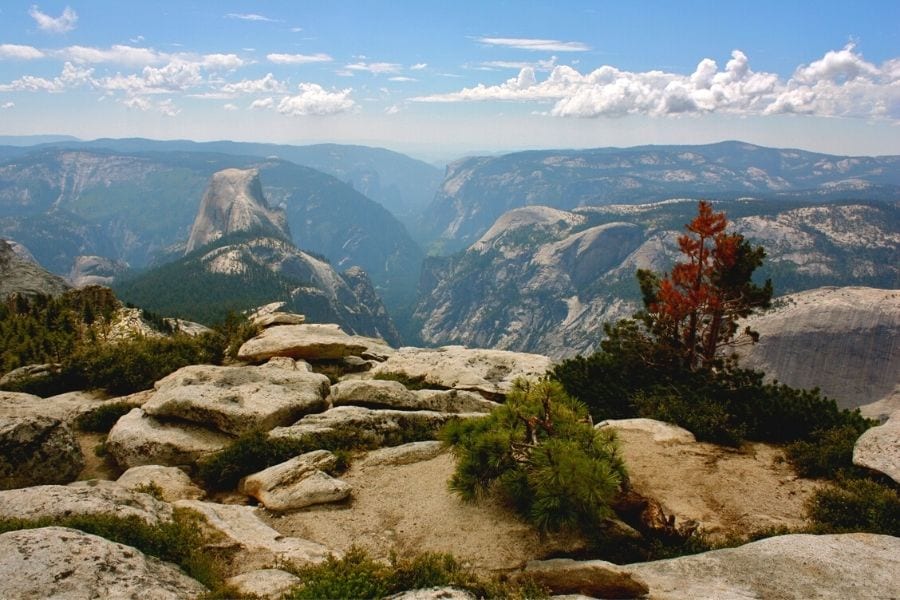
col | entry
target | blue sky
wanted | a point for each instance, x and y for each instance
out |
(439, 78)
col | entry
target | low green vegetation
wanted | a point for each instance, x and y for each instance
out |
(358, 575)
(180, 541)
(856, 504)
(102, 418)
(540, 452)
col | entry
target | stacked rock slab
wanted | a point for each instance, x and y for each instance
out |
(199, 409)
(296, 483)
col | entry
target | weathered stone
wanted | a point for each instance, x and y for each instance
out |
(404, 454)
(433, 593)
(65, 407)
(594, 578)
(32, 373)
(236, 400)
(661, 432)
(296, 483)
(278, 318)
(94, 497)
(878, 448)
(378, 427)
(57, 562)
(256, 545)
(455, 401)
(36, 450)
(393, 394)
(270, 584)
(173, 483)
(490, 372)
(855, 565)
(139, 439)
(313, 342)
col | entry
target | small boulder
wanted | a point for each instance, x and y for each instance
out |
(33, 374)
(373, 393)
(404, 454)
(660, 432)
(593, 578)
(172, 483)
(277, 318)
(237, 400)
(37, 450)
(799, 566)
(255, 544)
(57, 562)
(139, 439)
(296, 483)
(878, 448)
(433, 593)
(316, 342)
(270, 584)
(94, 497)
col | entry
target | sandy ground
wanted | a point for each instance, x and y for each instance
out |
(95, 467)
(408, 508)
(728, 491)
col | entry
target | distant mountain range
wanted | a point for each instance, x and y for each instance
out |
(476, 191)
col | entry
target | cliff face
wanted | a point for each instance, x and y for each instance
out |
(546, 280)
(21, 276)
(842, 340)
(234, 202)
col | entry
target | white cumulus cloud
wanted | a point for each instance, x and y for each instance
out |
(265, 85)
(230, 106)
(7, 105)
(61, 24)
(842, 83)
(71, 77)
(314, 100)
(19, 52)
(535, 44)
(262, 103)
(298, 59)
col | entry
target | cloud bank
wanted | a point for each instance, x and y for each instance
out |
(842, 83)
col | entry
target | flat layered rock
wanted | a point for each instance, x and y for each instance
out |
(790, 567)
(37, 450)
(277, 318)
(592, 578)
(379, 427)
(172, 483)
(489, 372)
(270, 584)
(237, 400)
(878, 448)
(93, 497)
(308, 341)
(256, 545)
(139, 439)
(65, 407)
(296, 483)
(57, 562)
(659, 431)
(403, 454)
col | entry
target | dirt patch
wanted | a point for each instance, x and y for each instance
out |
(95, 467)
(408, 509)
(728, 491)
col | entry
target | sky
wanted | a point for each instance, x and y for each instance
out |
(439, 79)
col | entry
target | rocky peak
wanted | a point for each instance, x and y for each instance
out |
(234, 202)
(21, 276)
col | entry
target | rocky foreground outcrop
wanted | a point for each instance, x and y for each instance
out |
(56, 562)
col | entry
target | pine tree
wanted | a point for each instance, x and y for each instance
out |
(696, 307)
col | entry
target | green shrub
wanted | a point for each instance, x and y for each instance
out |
(357, 575)
(179, 541)
(539, 451)
(707, 419)
(856, 504)
(828, 453)
(102, 418)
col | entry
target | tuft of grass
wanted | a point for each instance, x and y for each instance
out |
(358, 575)
(102, 418)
